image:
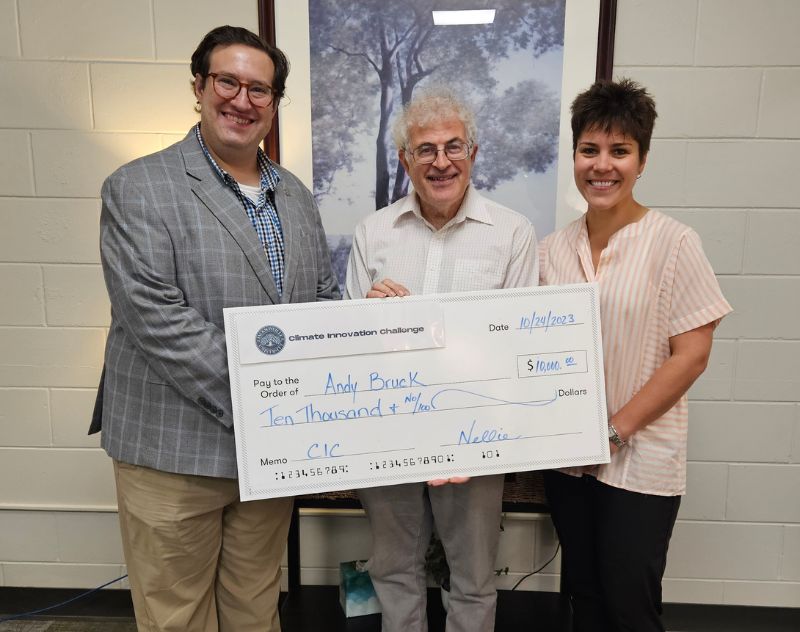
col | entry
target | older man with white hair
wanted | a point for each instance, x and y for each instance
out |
(442, 237)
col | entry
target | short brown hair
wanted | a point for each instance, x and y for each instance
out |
(623, 106)
(230, 35)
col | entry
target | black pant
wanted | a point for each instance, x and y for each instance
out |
(614, 550)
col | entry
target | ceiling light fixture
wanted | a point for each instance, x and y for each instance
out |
(477, 16)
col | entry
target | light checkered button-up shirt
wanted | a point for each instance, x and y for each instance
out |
(485, 246)
(263, 214)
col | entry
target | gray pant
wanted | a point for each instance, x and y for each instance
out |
(467, 518)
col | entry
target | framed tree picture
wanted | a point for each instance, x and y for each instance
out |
(356, 63)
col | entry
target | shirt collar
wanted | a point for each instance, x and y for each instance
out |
(269, 174)
(579, 231)
(471, 208)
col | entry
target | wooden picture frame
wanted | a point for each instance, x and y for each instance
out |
(548, 198)
(603, 70)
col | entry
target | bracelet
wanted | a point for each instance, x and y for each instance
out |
(613, 437)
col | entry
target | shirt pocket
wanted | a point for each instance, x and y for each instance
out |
(477, 274)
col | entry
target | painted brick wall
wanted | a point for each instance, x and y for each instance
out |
(90, 94)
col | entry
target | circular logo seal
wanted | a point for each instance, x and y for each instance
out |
(270, 340)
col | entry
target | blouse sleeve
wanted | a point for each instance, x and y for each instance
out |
(696, 295)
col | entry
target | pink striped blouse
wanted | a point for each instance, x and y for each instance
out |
(655, 282)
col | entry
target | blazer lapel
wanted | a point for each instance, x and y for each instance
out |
(223, 204)
(286, 206)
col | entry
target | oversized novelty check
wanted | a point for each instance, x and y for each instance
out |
(347, 394)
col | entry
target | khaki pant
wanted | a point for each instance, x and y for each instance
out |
(199, 559)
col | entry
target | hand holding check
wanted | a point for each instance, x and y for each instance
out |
(387, 288)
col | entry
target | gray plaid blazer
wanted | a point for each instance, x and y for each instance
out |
(177, 247)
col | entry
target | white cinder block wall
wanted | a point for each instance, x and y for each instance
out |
(86, 86)
(726, 77)
(90, 84)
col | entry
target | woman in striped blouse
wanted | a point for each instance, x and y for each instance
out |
(659, 305)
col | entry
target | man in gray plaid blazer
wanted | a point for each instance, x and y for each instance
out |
(205, 224)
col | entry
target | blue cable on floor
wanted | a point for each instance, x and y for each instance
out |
(63, 603)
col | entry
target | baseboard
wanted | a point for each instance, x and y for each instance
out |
(102, 603)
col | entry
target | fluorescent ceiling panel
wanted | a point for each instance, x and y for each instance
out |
(477, 16)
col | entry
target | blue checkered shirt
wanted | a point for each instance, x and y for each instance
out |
(264, 215)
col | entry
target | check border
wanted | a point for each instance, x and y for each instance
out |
(247, 490)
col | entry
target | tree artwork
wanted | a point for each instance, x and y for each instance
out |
(369, 56)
